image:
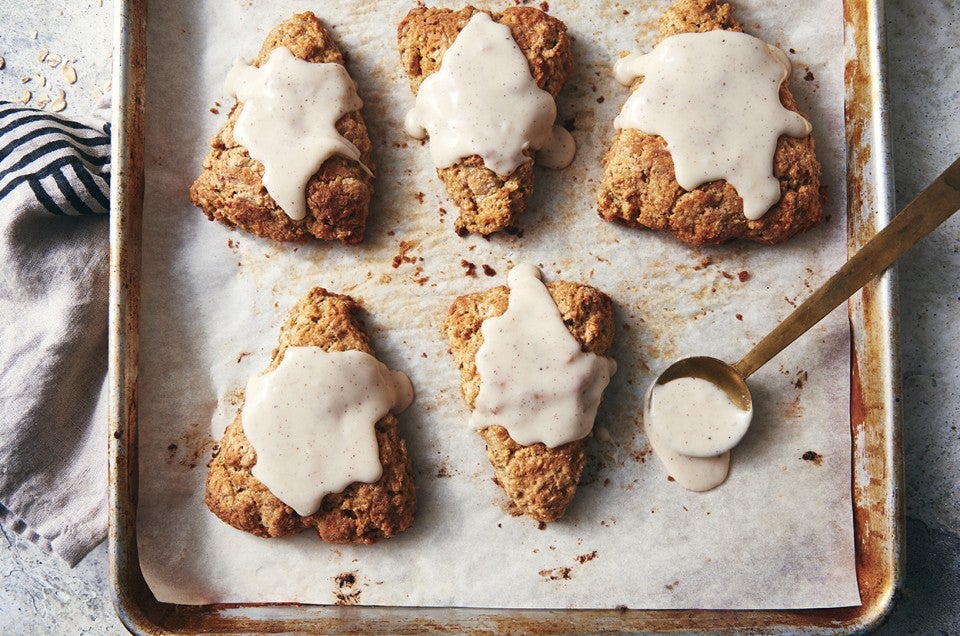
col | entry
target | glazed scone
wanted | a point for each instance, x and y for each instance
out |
(639, 188)
(230, 189)
(540, 481)
(362, 513)
(487, 202)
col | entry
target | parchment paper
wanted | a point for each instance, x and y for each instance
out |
(777, 534)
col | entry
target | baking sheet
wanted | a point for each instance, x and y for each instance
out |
(778, 534)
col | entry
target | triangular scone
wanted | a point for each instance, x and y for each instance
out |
(540, 481)
(362, 513)
(639, 189)
(230, 188)
(487, 202)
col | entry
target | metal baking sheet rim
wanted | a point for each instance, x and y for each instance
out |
(874, 410)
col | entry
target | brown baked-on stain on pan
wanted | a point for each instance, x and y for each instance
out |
(540, 481)
(361, 513)
(639, 189)
(230, 189)
(488, 203)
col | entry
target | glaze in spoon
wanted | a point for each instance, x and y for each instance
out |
(672, 418)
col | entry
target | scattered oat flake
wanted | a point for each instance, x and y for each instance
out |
(69, 73)
(33, 35)
(25, 79)
(53, 60)
(42, 55)
(107, 86)
(43, 100)
(59, 102)
(25, 97)
(3, 62)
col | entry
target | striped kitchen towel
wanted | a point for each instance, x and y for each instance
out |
(61, 164)
(54, 252)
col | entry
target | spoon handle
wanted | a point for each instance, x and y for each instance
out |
(934, 205)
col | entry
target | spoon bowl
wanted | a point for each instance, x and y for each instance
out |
(723, 375)
(698, 407)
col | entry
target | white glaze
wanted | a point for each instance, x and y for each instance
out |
(692, 425)
(695, 417)
(288, 121)
(534, 379)
(484, 101)
(714, 98)
(698, 474)
(311, 421)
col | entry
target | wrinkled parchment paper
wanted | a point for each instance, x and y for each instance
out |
(777, 534)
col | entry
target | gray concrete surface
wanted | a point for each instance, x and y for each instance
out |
(40, 595)
(924, 78)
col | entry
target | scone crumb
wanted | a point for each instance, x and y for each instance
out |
(402, 256)
(469, 269)
(704, 262)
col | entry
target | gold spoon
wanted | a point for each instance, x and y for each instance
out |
(934, 205)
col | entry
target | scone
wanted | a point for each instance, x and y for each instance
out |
(230, 189)
(362, 513)
(487, 202)
(540, 481)
(639, 187)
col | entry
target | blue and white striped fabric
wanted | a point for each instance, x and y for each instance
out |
(45, 159)
(54, 265)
